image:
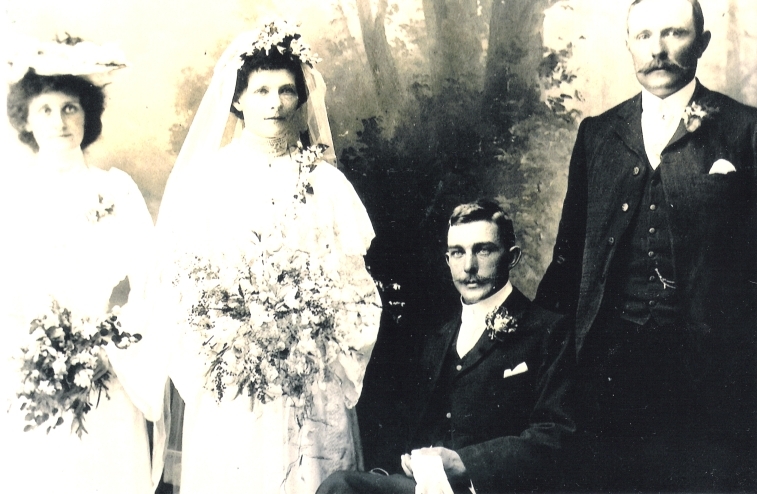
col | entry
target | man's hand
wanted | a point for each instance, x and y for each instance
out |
(451, 461)
(453, 464)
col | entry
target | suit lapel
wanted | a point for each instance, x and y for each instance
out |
(433, 356)
(628, 126)
(516, 304)
(680, 133)
(700, 93)
(438, 348)
(675, 172)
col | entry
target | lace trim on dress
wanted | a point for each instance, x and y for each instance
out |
(271, 146)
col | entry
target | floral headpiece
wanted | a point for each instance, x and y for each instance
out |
(284, 37)
(69, 55)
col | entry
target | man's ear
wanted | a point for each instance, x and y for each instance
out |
(515, 255)
(446, 257)
(704, 42)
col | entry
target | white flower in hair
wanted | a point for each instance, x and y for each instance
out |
(69, 55)
(286, 38)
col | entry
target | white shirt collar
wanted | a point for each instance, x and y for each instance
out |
(474, 318)
(483, 307)
(673, 104)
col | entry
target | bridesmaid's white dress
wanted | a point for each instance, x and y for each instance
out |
(52, 249)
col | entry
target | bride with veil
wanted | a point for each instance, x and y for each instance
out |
(260, 238)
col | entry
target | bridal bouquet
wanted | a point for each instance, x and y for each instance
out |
(272, 322)
(62, 369)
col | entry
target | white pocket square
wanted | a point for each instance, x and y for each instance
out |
(519, 369)
(722, 166)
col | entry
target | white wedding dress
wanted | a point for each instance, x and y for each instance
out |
(55, 249)
(236, 446)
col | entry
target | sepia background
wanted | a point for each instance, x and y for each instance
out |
(431, 102)
(418, 89)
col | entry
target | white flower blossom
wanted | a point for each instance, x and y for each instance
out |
(286, 39)
(45, 387)
(88, 329)
(83, 378)
(59, 366)
(29, 387)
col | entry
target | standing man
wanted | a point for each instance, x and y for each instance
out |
(488, 407)
(656, 257)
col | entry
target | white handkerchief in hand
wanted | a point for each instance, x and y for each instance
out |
(428, 472)
(519, 369)
(722, 166)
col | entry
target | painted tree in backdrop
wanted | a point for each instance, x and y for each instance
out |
(474, 123)
(429, 111)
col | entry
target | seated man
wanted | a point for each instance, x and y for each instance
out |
(488, 403)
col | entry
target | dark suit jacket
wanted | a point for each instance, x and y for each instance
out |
(713, 227)
(713, 217)
(502, 441)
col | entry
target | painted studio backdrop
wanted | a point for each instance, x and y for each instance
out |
(431, 102)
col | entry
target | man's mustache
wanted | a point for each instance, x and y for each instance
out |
(664, 65)
(473, 280)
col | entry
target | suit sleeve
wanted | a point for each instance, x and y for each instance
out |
(558, 290)
(753, 221)
(531, 460)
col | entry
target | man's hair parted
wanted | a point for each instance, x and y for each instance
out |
(486, 210)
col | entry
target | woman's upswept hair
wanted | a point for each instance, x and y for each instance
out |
(486, 210)
(274, 60)
(91, 99)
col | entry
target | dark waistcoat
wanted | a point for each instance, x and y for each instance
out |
(642, 281)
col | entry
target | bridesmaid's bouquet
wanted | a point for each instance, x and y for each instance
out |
(273, 323)
(62, 369)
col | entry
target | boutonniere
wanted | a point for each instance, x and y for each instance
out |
(105, 207)
(307, 159)
(695, 114)
(500, 322)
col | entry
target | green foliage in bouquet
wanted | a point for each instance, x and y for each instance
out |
(62, 367)
(273, 323)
